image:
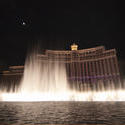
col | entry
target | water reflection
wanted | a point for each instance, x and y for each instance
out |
(62, 113)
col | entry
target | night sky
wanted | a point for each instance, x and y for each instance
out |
(57, 24)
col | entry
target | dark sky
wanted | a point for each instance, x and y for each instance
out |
(56, 24)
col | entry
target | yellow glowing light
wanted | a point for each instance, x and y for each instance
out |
(74, 47)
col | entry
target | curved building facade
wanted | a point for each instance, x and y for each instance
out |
(85, 66)
(94, 68)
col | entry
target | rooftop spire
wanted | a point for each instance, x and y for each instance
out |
(74, 46)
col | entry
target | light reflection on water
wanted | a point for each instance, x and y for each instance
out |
(62, 113)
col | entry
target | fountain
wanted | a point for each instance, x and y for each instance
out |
(48, 80)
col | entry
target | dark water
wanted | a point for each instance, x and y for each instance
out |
(62, 113)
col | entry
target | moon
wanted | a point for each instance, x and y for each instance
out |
(23, 23)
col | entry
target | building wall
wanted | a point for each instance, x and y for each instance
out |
(94, 68)
(88, 65)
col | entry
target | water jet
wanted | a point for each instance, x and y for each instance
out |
(66, 75)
